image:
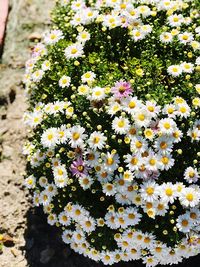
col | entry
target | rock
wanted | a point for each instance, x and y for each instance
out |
(34, 36)
(8, 241)
(14, 251)
(46, 255)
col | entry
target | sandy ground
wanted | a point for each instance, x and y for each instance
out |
(30, 241)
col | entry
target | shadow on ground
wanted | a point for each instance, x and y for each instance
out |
(44, 247)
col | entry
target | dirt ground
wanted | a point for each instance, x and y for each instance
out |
(31, 242)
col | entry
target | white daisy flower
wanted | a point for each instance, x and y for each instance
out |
(88, 224)
(150, 261)
(184, 223)
(161, 208)
(50, 137)
(141, 117)
(109, 189)
(88, 77)
(144, 11)
(46, 65)
(83, 89)
(107, 258)
(167, 192)
(43, 181)
(113, 108)
(149, 191)
(175, 20)
(67, 236)
(183, 110)
(120, 125)
(51, 189)
(52, 219)
(45, 198)
(60, 176)
(111, 161)
(36, 199)
(176, 136)
(64, 218)
(97, 140)
(166, 161)
(63, 133)
(185, 37)
(137, 35)
(64, 81)
(166, 37)
(189, 197)
(76, 136)
(77, 5)
(138, 144)
(92, 157)
(152, 108)
(195, 45)
(53, 36)
(197, 62)
(132, 161)
(85, 182)
(152, 161)
(30, 182)
(187, 67)
(78, 236)
(132, 216)
(83, 37)
(90, 15)
(170, 110)
(174, 70)
(167, 126)
(110, 220)
(97, 94)
(163, 144)
(37, 75)
(129, 104)
(111, 21)
(74, 51)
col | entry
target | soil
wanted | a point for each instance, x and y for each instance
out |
(28, 239)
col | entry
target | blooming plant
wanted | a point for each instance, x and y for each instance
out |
(113, 156)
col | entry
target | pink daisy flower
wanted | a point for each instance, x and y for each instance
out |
(78, 168)
(121, 89)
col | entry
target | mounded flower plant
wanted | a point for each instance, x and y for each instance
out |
(113, 154)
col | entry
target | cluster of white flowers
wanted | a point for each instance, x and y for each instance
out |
(128, 155)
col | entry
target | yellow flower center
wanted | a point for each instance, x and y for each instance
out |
(96, 140)
(169, 192)
(121, 124)
(189, 197)
(167, 125)
(110, 161)
(141, 117)
(150, 190)
(50, 137)
(75, 136)
(74, 51)
(184, 223)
